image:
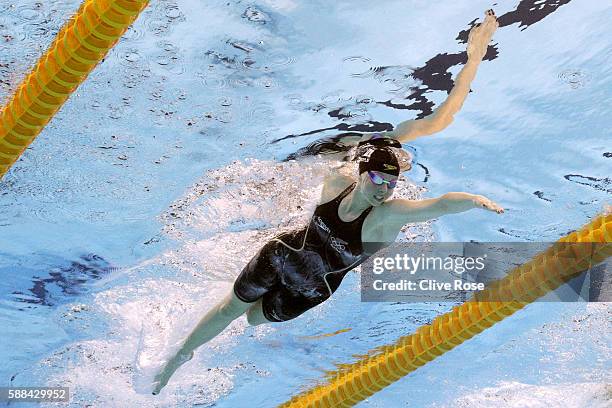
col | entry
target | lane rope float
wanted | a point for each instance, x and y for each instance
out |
(76, 50)
(548, 270)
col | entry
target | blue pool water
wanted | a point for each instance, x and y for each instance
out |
(132, 212)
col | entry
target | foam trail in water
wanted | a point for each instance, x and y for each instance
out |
(145, 311)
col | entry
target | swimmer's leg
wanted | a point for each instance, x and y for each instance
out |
(255, 315)
(213, 323)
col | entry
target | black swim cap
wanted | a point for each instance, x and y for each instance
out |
(379, 159)
(381, 142)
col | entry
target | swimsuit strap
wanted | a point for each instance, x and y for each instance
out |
(362, 216)
(345, 192)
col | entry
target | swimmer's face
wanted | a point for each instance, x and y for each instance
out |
(377, 186)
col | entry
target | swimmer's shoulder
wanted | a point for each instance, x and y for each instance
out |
(333, 185)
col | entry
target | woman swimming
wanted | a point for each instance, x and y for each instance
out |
(298, 270)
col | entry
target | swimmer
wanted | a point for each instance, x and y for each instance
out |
(298, 270)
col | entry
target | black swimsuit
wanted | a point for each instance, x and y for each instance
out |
(294, 274)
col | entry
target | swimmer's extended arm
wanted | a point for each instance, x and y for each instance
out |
(402, 211)
(478, 41)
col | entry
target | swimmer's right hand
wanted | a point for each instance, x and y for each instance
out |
(486, 204)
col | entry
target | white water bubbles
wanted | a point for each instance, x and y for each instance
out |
(169, 58)
(214, 80)
(172, 11)
(26, 30)
(127, 331)
(574, 77)
(397, 79)
(132, 56)
(267, 83)
(358, 66)
(29, 12)
(267, 62)
(232, 211)
(134, 33)
(228, 215)
(256, 15)
(163, 16)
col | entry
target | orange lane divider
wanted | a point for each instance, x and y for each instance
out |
(78, 47)
(547, 271)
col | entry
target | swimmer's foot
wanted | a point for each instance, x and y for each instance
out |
(480, 36)
(162, 378)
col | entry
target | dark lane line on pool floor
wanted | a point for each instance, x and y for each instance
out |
(434, 76)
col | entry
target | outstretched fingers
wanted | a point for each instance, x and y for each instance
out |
(487, 204)
(492, 206)
(481, 34)
(490, 23)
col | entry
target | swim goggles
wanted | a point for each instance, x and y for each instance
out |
(376, 179)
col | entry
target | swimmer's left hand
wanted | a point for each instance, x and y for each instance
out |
(486, 204)
(480, 36)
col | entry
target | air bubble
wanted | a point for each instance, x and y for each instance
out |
(575, 78)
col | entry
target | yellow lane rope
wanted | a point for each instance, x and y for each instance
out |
(548, 270)
(78, 47)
